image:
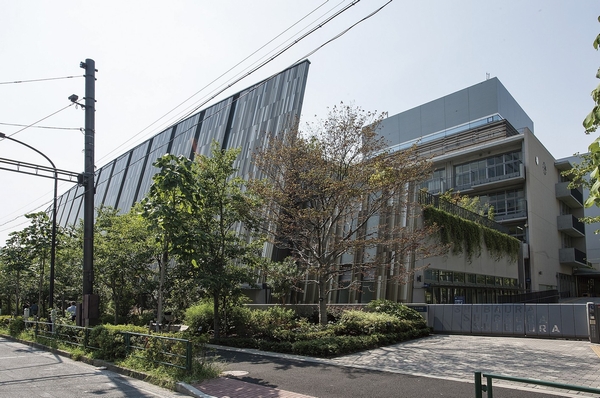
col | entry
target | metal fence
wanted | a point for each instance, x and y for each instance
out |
(163, 350)
(480, 388)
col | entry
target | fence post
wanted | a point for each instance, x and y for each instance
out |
(35, 330)
(490, 393)
(86, 338)
(478, 391)
(188, 356)
(127, 341)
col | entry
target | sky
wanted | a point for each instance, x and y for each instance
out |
(157, 59)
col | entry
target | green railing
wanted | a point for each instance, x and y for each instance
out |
(481, 388)
(167, 351)
(163, 350)
(77, 336)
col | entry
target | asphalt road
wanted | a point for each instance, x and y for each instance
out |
(331, 381)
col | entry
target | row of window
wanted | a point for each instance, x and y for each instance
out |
(436, 276)
(468, 295)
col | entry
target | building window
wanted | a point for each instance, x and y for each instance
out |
(507, 203)
(489, 169)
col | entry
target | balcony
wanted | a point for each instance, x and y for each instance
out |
(571, 256)
(517, 176)
(571, 197)
(571, 226)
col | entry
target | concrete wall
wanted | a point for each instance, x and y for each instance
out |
(531, 320)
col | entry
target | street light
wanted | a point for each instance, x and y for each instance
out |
(53, 244)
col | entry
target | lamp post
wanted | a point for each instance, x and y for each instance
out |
(53, 244)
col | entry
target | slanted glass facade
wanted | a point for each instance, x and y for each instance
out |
(245, 120)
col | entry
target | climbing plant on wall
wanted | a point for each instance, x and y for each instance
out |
(465, 235)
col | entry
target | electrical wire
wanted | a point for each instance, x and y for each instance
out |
(42, 119)
(40, 127)
(240, 78)
(252, 89)
(40, 80)
(215, 80)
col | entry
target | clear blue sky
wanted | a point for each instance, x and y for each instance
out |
(153, 55)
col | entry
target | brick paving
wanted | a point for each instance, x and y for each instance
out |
(454, 357)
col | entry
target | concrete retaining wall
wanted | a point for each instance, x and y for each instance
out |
(537, 320)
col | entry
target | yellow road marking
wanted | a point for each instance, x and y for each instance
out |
(596, 349)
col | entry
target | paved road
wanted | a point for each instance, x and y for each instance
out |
(437, 366)
(27, 372)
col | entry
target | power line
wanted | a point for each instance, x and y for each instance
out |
(261, 83)
(39, 80)
(215, 80)
(44, 118)
(40, 127)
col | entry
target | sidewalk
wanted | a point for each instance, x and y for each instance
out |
(452, 358)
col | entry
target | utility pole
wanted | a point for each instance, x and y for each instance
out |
(90, 309)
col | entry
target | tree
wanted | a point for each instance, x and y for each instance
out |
(167, 206)
(15, 260)
(222, 251)
(38, 242)
(338, 192)
(587, 173)
(203, 217)
(124, 251)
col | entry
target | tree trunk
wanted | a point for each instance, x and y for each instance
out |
(41, 285)
(322, 303)
(162, 265)
(216, 315)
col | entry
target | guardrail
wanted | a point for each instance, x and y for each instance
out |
(170, 351)
(163, 350)
(481, 388)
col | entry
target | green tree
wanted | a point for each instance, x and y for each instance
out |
(124, 251)
(38, 242)
(16, 260)
(587, 172)
(69, 271)
(329, 192)
(221, 250)
(168, 206)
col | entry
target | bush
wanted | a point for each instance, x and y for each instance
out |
(16, 326)
(275, 323)
(109, 342)
(200, 317)
(398, 310)
(357, 323)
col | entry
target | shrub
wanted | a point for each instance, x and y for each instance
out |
(275, 323)
(398, 310)
(16, 326)
(238, 320)
(200, 317)
(356, 323)
(108, 340)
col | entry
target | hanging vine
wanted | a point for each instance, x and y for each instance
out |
(465, 235)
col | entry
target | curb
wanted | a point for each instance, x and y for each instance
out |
(187, 389)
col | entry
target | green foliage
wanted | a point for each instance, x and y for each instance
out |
(463, 235)
(274, 323)
(393, 308)
(499, 244)
(16, 326)
(470, 203)
(278, 329)
(200, 317)
(109, 340)
(466, 235)
(356, 323)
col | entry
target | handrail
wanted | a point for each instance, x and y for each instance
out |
(480, 388)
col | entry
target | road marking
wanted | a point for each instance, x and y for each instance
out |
(596, 349)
